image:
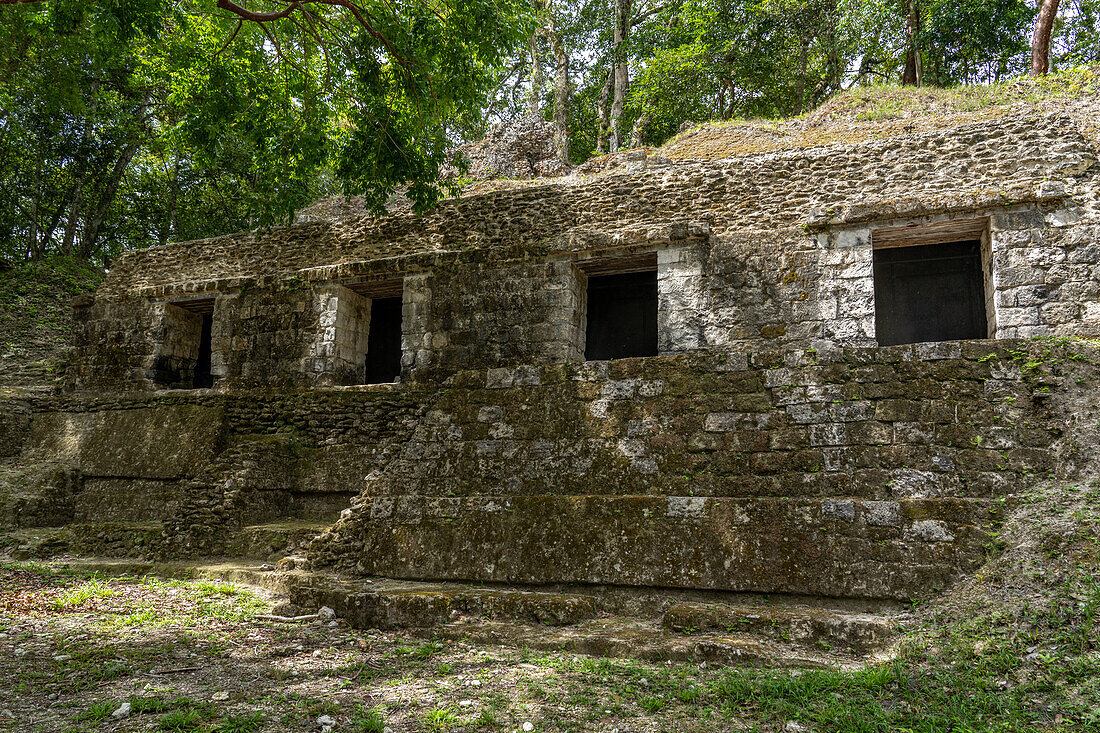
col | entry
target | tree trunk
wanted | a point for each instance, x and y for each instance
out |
(32, 238)
(912, 74)
(171, 223)
(803, 72)
(1040, 40)
(637, 133)
(605, 124)
(74, 218)
(92, 224)
(561, 93)
(536, 76)
(621, 71)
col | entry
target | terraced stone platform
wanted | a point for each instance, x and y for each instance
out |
(771, 508)
(621, 622)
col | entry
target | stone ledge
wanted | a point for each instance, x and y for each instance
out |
(884, 210)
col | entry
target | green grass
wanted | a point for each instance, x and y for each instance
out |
(248, 723)
(368, 720)
(95, 588)
(441, 719)
(890, 102)
(181, 720)
(98, 711)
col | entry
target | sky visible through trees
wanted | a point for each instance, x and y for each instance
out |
(130, 123)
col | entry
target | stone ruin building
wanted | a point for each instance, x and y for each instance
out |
(598, 412)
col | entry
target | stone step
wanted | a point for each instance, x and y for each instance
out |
(34, 544)
(823, 627)
(842, 548)
(637, 639)
(395, 604)
(557, 620)
(274, 539)
(102, 539)
(803, 625)
(320, 506)
(36, 494)
(113, 539)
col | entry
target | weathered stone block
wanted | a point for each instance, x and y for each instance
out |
(168, 441)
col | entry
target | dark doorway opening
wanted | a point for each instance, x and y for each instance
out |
(384, 341)
(622, 316)
(930, 292)
(203, 377)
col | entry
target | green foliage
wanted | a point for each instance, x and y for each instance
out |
(368, 720)
(401, 126)
(745, 58)
(125, 124)
(968, 41)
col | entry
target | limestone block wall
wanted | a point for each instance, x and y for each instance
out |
(339, 349)
(264, 336)
(990, 163)
(874, 472)
(417, 347)
(847, 472)
(1047, 272)
(502, 313)
(114, 345)
(180, 472)
(758, 252)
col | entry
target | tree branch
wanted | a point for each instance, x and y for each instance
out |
(648, 13)
(254, 16)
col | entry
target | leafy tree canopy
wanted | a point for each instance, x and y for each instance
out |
(125, 123)
(130, 122)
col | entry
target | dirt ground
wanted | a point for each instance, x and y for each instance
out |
(194, 656)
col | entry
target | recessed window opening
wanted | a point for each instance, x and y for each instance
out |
(384, 341)
(929, 289)
(381, 362)
(185, 355)
(622, 315)
(204, 379)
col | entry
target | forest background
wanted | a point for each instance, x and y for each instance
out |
(132, 123)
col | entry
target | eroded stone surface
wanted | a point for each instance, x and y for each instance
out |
(769, 447)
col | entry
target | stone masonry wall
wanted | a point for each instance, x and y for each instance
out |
(848, 472)
(339, 350)
(854, 472)
(760, 252)
(973, 166)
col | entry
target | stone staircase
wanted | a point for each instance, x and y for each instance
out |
(651, 625)
(47, 509)
(655, 625)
